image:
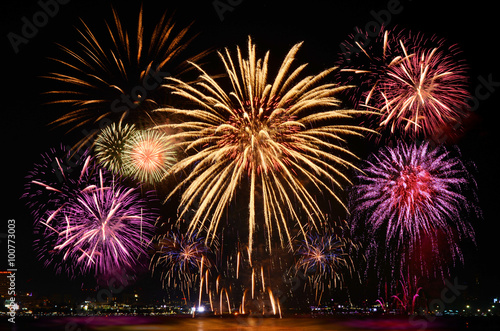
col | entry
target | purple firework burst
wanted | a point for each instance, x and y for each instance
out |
(108, 227)
(412, 196)
(88, 221)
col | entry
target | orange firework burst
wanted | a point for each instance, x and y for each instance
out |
(267, 134)
(147, 156)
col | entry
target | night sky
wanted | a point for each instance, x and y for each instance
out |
(274, 25)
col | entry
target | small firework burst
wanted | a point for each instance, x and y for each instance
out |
(268, 135)
(147, 156)
(110, 144)
(181, 259)
(411, 196)
(324, 256)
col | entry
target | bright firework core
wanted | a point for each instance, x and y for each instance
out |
(262, 127)
(148, 155)
(413, 185)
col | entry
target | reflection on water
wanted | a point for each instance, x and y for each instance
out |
(256, 323)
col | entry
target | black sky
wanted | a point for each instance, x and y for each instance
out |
(275, 25)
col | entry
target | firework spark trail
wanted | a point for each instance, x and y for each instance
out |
(53, 180)
(368, 63)
(272, 134)
(418, 85)
(410, 193)
(409, 295)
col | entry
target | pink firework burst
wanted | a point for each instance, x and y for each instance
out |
(108, 227)
(409, 198)
(417, 85)
(424, 93)
(86, 221)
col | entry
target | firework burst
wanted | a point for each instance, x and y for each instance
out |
(119, 73)
(412, 196)
(107, 228)
(181, 259)
(85, 220)
(325, 257)
(147, 156)
(268, 136)
(110, 145)
(425, 92)
(418, 85)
